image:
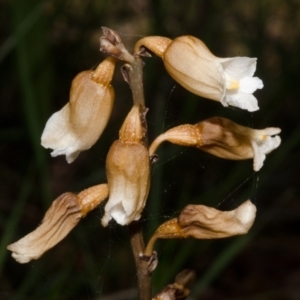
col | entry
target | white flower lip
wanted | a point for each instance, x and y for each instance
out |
(58, 136)
(263, 143)
(240, 83)
(123, 205)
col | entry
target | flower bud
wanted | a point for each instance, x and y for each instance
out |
(223, 138)
(63, 215)
(192, 65)
(79, 124)
(179, 289)
(111, 44)
(128, 168)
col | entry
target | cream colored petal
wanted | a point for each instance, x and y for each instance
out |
(263, 147)
(59, 136)
(60, 219)
(193, 66)
(240, 100)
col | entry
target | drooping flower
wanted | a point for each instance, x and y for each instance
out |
(128, 172)
(223, 138)
(203, 222)
(192, 65)
(79, 124)
(63, 215)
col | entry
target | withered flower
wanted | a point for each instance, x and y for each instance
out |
(79, 124)
(111, 44)
(203, 222)
(128, 172)
(189, 61)
(223, 138)
(178, 290)
(63, 215)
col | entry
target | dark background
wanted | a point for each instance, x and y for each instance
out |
(44, 44)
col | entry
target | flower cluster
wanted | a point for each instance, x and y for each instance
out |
(80, 123)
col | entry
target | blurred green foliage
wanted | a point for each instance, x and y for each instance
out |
(44, 44)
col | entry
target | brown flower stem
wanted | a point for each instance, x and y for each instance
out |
(149, 248)
(136, 81)
(138, 246)
(135, 74)
(155, 144)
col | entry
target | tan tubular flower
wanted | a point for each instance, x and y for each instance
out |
(128, 172)
(226, 139)
(192, 65)
(223, 138)
(79, 124)
(63, 215)
(203, 222)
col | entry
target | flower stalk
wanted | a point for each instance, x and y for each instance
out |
(135, 73)
(79, 124)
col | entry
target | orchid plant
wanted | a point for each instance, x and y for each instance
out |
(80, 123)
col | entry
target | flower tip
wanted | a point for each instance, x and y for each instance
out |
(62, 216)
(260, 83)
(252, 106)
(70, 153)
(246, 213)
(105, 220)
(20, 257)
(120, 214)
(277, 141)
(272, 130)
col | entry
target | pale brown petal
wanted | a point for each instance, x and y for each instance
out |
(223, 138)
(156, 44)
(192, 65)
(202, 222)
(128, 177)
(63, 215)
